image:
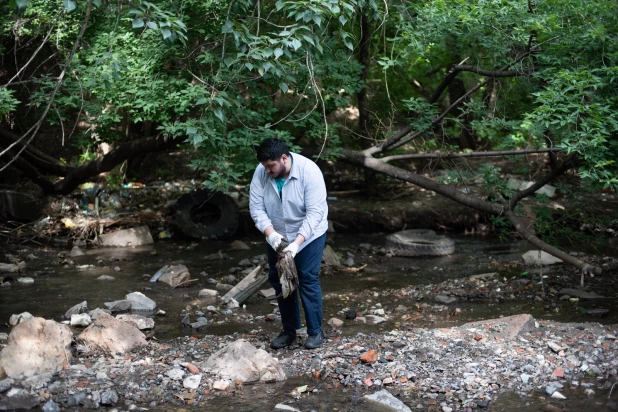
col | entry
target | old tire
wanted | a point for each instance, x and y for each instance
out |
(419, 242)
(207, 215)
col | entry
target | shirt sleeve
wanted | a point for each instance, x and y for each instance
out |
(315, 201)
(257, 207)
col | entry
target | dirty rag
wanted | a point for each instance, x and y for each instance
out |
(288, 277)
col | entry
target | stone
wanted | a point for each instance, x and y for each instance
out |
(582, 294)
(335, 323)
(140, 302)
(25, 280)
(372, 319)
(223, 287)
(50, 406)
(557, 395)
(112, 335)
(4, 337)
(283, 407)
(106, 277)
(484, 276)
(175, 275)
(76, 251)
(386, 399)
(118, 306)
(38, 381)
(330, 258)
(175, 374)
(370, 356)
(200, 323)
(136, 236)
(36, 346)
(508, 327)
(242, 362)
(221, 385)
(140, 322)
(22, 317)
(192, 368)
(208, 294)
(268, 293)
(9, 268)
(80, 319)
(445, 299)
(239, 245)
(555, 347)
(77, 309)
(192, 382)
(525, 378)
(96, 312)
(539, 257)
(6, 384)
(109, 397)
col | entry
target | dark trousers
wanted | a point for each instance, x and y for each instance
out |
(308, 263)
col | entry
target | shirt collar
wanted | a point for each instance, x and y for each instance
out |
(294, 170)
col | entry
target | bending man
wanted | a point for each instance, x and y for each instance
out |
(288, 201)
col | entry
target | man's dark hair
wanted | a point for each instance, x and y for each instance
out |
(272, 149)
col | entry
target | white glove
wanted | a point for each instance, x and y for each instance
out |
(292, 248)
(274, 240)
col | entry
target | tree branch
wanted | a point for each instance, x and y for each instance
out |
(530, 237)
(471, 154)
(107, 162)
(566, 165)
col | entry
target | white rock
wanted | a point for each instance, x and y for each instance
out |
(558, 395)
(140, 302)
(26, 281)
(76, 251)
(283, 407)
(373, 319)
(175, 374)
(140, 322)
(112, 335)
(221, 385)
(80, 319)
(22, 317)
(36, 346)
(192, 382)
(241, 361)
(385, 398)
(538, 257)
(127, 237)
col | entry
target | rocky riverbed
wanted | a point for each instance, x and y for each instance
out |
(447, 369)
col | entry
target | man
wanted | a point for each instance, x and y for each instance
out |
(288, 201)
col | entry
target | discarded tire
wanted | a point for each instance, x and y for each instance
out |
(419, 242)
(207, 215)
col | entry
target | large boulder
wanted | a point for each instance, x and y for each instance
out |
(36, 346)
(241, 361)
(112, 335)
(136, 236)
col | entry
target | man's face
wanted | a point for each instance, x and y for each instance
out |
(276, 168)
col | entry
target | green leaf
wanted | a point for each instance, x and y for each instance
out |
(69, 5)
(152, 25)
(201, 101)
(219, 113)
(296, 44)
(166, 33)
(278, 52)
(107, 84)
(97, 3)
(284, 87)
(249, 66)
(137, 23)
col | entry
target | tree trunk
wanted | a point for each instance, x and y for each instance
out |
(371, 177)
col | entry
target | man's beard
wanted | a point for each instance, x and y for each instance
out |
(281, 170)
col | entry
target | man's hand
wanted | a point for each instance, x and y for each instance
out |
(292, 248)
(274, 239)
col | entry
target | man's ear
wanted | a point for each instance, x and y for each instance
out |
(284, 157)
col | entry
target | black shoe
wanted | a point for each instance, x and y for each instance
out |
(315, 341)
(285, 338)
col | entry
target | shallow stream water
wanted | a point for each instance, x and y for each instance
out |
(58, 287)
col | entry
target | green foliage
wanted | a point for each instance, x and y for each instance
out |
(7, 103)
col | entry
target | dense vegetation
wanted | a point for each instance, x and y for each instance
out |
(376, 84)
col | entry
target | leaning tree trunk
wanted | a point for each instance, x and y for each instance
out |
(364, 160)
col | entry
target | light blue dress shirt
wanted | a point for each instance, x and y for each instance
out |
(302, 208)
